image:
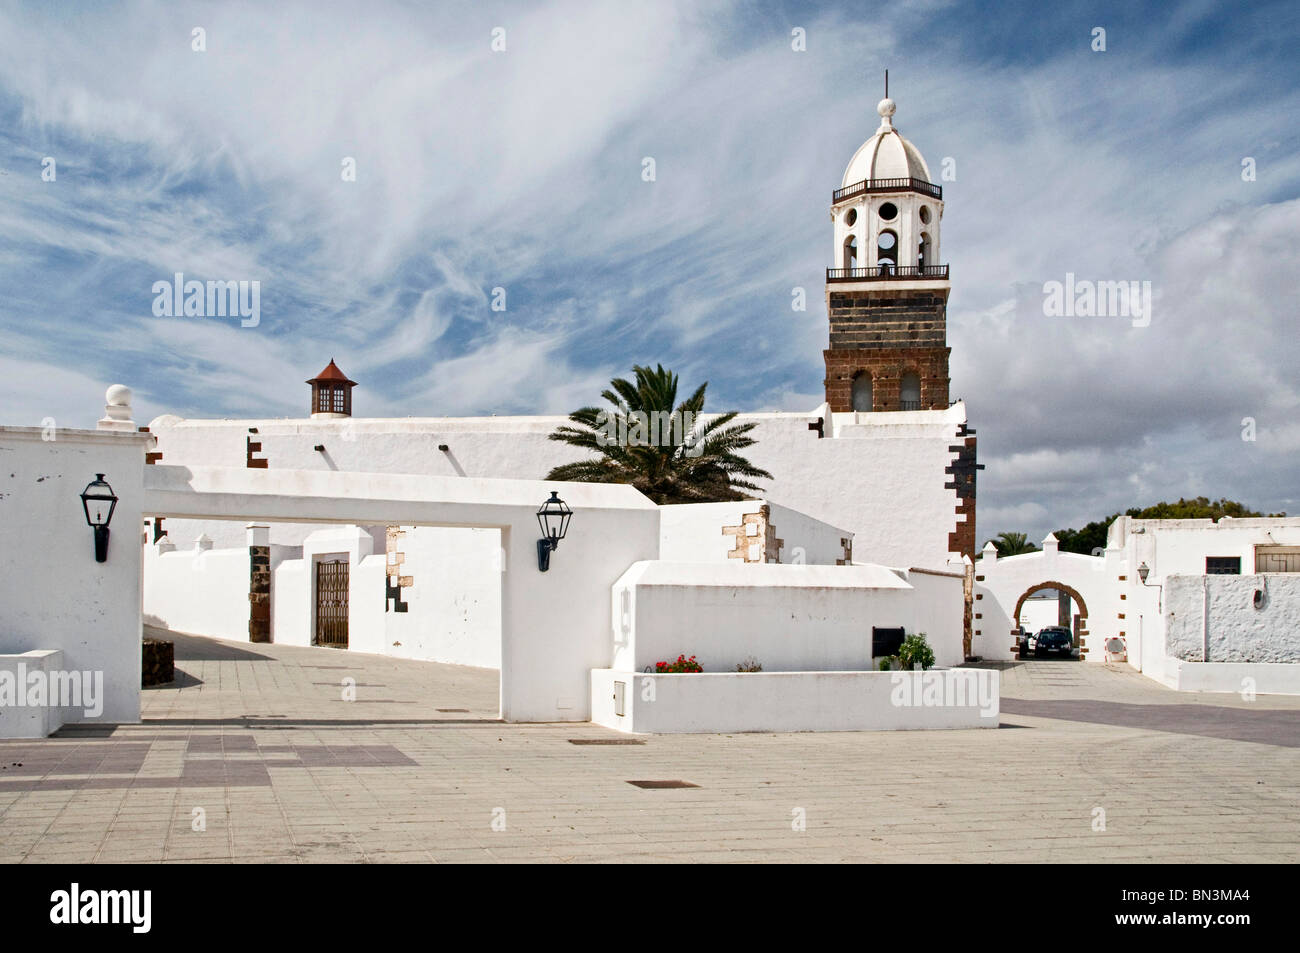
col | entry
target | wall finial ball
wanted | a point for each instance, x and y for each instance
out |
(886, 108)
(118, 395)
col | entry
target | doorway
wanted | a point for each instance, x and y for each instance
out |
(331, 603)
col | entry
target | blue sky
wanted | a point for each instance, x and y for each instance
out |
(522, 169)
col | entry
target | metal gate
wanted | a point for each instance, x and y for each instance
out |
(331, 604)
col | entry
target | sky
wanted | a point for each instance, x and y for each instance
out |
(522, 169)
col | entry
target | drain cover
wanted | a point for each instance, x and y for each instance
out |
(664, 784)
(606, 741)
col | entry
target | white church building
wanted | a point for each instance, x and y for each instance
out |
(882, 472)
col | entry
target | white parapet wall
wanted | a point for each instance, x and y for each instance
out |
(787, 618)
(795, 701)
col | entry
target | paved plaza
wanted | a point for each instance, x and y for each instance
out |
(254, 755)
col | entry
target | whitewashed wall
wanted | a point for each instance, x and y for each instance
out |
(1214, 619)
(695, 532)
(199, 591)
(789, 618)
(454, 612)
(936, 607)
(1038, 614)
(879, 476)
(53, 595)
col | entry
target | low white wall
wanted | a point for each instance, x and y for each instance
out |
(21, 716)
(789, 618)
(1263, 678)
(203, 592)
(1214, 618)
(797, 701)
(53, 594)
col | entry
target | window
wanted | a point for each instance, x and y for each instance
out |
(886, 642)
(887, 248)
(1223, 565)
(923, 250)
(851, 252)
(338, 398)
(862, 400)
(910, 392)
(1277, 559)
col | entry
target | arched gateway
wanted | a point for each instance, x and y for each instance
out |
(1003, 585)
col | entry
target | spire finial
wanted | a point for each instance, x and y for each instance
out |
(886, 84)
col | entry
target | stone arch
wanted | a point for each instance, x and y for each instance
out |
(1072, 593)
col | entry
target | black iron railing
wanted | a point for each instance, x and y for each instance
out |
(887, 272)
(867, 186)
(909, 404)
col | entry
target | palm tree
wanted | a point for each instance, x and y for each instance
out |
(1013, 544)
(663, 448)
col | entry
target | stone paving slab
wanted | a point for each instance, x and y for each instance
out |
(258, 742)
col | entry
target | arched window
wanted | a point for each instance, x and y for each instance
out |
(851, 252)
(862, 392)
(909, 392)
(923, 250)
(887, 248)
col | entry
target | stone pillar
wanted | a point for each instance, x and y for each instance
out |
(259, 582)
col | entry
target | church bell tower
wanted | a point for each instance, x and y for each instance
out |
(887, 293)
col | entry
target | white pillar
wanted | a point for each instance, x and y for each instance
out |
(117, 410)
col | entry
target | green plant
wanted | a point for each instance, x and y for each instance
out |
(915, 651)
(683, 458)
(750, 664)
(888, 663)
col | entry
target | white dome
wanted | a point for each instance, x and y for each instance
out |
(886, 155)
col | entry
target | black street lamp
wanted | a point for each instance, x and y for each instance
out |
(99, 501)
(553, 518)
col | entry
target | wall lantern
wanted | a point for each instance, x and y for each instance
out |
(553, 518)
(99, 501)
(1143, 571)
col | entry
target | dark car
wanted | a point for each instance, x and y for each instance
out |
(1056, 639)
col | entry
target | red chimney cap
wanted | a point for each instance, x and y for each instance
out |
(331, 373)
